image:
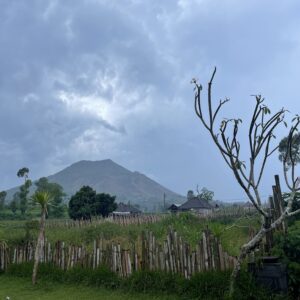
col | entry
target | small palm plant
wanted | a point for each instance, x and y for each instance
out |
(42, 199)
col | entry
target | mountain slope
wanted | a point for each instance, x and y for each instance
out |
(108, 177)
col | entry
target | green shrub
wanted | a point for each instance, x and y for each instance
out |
(101, 276)
(153, 281)
(104, 277)
(98, 277)
(45, 271)
(288, 248)
(20, 270)
(208, 285)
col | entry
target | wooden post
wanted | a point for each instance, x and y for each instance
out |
(276, 202)
(272, 207)
(280, 200)
(206, 265)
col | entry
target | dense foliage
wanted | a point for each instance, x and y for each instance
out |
(288, 248)
(104, 204)
(86, 203)
(206, 194)
(295, 149)
(24, 190)
(2, 199)
(23, 196)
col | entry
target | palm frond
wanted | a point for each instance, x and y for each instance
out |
(41, 198)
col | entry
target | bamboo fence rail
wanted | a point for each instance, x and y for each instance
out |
(120, 220)
(143, 219)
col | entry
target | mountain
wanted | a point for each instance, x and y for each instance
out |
(108, 177)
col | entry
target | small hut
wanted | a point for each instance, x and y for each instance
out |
(174, 208)
(195, 204)
(198, 205)
(126, 209)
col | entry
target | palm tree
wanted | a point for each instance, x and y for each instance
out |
(43, 199)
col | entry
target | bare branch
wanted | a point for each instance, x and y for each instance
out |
(209, 98)
(218, 108)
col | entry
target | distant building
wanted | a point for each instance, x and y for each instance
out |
(194, 204)
(125, 209)
(174, 208)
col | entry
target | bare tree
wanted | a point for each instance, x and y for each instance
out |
(248, 174)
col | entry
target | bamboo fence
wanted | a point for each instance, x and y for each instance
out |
(120, 220)
(172, 255)
(230, 212)
(126, 220)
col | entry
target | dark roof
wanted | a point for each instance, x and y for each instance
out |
(195, 203)
(174, 206)
(126, 208)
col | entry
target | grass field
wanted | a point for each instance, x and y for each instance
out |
(22, 289)
(187, 225)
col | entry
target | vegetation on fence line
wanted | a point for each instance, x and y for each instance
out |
(187, 225)
(173, 255)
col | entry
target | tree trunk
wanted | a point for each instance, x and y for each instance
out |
(39, 246)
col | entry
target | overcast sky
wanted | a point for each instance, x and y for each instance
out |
(100, 79)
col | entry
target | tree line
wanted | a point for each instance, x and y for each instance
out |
(84, 204)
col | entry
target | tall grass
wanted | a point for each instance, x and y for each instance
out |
(187, 225)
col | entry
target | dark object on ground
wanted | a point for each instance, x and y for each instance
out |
(271, 274)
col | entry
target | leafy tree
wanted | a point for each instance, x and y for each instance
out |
(23, 195)
(288, 248)
(13, 206)
(23, 172)
(24, 189)
(80, 205)
(15, 202)
(87, 203)
(206, 194)
(104, 204)
(289, 154)
(57, 194)
(2, 199)
(42, 199)
(294, 150)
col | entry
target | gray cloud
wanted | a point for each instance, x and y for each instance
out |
(103, 79)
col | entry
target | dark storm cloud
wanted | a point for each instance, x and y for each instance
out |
(110, 79)
(51, 47)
